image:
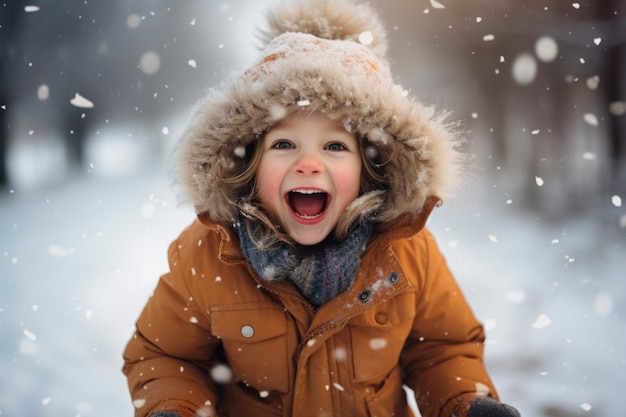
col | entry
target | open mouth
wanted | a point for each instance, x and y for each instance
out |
(307, 204)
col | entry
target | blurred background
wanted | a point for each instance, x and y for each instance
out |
(93, 95)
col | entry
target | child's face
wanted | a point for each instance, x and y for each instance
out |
(310, 171)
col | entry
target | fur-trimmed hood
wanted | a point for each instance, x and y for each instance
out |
(319, 55)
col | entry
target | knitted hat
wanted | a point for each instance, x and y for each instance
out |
(319, 55)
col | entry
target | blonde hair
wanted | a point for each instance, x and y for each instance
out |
(364, 208)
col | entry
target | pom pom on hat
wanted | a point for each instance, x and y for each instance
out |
(328, 19)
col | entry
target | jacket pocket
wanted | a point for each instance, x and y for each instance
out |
(378, 336)
(255, 343)
(390, 400)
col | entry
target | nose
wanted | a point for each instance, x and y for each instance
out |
(309, 163)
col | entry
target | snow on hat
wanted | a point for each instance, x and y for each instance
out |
(318, 55)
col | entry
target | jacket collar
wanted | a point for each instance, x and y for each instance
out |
(409, 224)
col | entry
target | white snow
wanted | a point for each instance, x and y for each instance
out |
(591, 119)
(366, 38)
(524, 69)
(221, 373)
(81, 102)
(546, 48)
(133, 20)
(539, 181)
(150, 62)
(436, 5)
(542, 322)
(378, 343)
(616, 200)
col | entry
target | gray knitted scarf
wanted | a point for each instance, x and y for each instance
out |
(327, 271)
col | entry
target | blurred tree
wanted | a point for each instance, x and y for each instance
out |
(614, 12)
(10, 13)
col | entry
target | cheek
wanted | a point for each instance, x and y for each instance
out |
(267, 183)
(348, 181)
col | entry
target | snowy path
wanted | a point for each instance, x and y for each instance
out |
(78, 262)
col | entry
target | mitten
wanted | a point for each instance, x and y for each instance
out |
(484, 407)
(488, 407)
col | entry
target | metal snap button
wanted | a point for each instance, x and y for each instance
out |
(381, 317)
(364, 296)
(393, 277)
(247, 331)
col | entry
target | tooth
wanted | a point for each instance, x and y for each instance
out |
(308, 191)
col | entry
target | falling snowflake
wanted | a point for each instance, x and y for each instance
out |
(133, 20)
(542, 321)
(30, 335)
(338, 386)
(591, 119)
(150, 62)
(546, 49)
(81, 102)
(524, 69)
(240, 152)
(436, 5)
(378, 343)
(138, 403)
(221, 374)
(593, 82)
(366, 38)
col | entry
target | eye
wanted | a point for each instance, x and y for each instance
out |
(282, 144)
(336, 146)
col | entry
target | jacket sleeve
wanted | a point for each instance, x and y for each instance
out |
(168, 359)
(443, 357)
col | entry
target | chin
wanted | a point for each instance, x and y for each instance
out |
(310, 239)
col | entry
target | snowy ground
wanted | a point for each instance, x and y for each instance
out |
(78, 262)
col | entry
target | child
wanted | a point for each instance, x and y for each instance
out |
(309, 286)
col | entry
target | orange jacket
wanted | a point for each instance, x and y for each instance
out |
(404, 321)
